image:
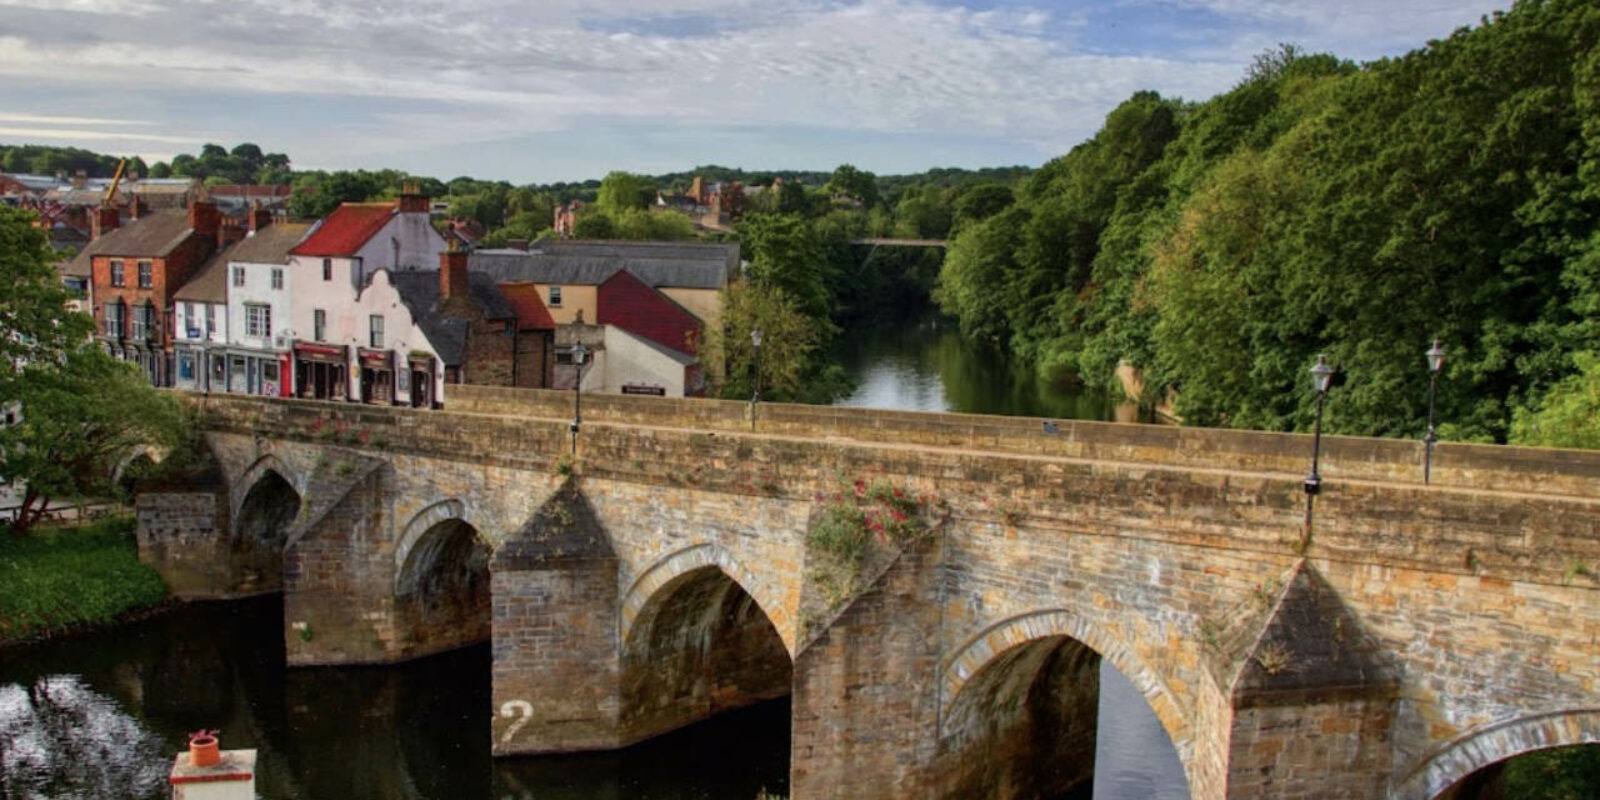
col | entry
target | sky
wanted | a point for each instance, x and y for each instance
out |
(560, 90)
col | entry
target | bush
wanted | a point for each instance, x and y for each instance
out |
(57, 578)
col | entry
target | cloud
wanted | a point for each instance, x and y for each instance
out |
(433, 74)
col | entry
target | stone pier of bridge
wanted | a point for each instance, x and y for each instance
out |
(664, 575)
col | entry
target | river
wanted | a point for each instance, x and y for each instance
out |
(924, 365)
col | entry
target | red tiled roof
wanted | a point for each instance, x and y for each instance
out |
(532, 315)
(346, 230)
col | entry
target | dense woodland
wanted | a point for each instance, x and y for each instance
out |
(1325, 207)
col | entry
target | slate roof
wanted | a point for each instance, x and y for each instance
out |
(419, 290)
(153, 235)
(270, 245)
(660, 265)
(346, 230)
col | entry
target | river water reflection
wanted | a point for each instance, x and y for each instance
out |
(102, 716)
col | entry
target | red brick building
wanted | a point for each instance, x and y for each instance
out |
(135, 269)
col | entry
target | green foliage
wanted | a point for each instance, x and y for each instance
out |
(1568, 415)
(51, 579)
(1317, 207)
(1565, 773)
(625, 191)
(47, 160)
(81, 417)
(791, 369)
(855, 184)
(35, 326)
(317, 195)
(784, 252)
(245, 163)
(852, 524)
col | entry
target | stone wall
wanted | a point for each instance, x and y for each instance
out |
(1142, 554)
(185, 537)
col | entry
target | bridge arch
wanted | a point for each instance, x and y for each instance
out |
(696, 644)
(1013, 655)
(1459, 758)
(252, 475)
(668, 568)
(441, 581)
(419, 524)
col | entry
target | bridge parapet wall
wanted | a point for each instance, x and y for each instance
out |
(1461, 465)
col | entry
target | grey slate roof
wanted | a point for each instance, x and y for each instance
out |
(660, 265)
(419, 290)
(270, 245)
(153, 235)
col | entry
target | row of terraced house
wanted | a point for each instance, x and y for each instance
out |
(373, 304)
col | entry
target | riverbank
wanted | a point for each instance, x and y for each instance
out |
(59, 580)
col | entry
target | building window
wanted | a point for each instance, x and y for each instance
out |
(319, 325)
(257, 320)
(375, 334)
(144, 323)
(211, 319)
(146, 275)
(116, 274)
(277, 277)
(186, 366)
(238, 276)
(555, 295)
(191, 321)
(113, 319)
(327, 269)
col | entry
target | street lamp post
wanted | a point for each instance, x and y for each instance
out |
(755, 339)
(579, 353)
(1435, 363)
(1321, 377)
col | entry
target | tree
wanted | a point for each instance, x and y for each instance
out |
(81, 417)
(857, 184)
(621, 191)
(789, 343)
(982, 202)
(784, 252)
(81, 411)
(1569, 414)
(35, 326)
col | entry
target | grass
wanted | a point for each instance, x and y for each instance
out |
(54, 579)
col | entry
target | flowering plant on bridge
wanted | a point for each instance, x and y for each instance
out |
(861, 528)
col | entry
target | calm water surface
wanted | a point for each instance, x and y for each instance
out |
(102, 716)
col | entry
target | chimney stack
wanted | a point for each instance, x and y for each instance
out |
(412, 200)
(453, 272)
(229, 231)
(204, 217)
(258, 217)
(103, 221)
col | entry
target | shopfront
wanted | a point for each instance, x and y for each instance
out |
(320, 371)
(256, 372)
(377, 376)
(416, 384)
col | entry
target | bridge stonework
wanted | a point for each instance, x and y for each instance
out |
(1419, 632)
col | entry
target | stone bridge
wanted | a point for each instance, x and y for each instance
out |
(1415, 635)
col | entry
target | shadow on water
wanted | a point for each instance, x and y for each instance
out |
(102, 716)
